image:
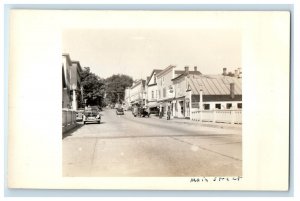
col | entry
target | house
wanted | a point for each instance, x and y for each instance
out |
(138, 93)
(71, 91)
(165, 87)
(181, 103)
(206, 92)
(71, 83)
(76, 87)
(152, 91)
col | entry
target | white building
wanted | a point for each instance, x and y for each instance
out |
(72, 89)
(152, 91)
(127, 99)
(206, 92)
(165, 86)
(137, 93)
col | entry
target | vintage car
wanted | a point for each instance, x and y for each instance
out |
(140, 112)
(119, 111)
(79, 114)
(144, 113)
(91, 116)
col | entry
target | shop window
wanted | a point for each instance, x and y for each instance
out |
(218, 106)
(239, 105)
(228, 105)
(206, 106)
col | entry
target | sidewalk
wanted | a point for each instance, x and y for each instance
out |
(197, 123)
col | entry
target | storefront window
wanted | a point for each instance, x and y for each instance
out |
(218, 106)
(206, 106)
(228, 105)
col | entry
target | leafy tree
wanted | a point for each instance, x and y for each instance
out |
(93, 88)
(115, 87)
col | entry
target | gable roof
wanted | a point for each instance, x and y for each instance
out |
(138, 82)
(161, 73)
(154, 71)
(214, 84)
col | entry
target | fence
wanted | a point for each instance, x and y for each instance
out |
(68, 119)
(218, 116)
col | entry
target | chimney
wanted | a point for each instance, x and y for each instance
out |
(186, 69)
(232, 90)
(195, 68)
(224, 71)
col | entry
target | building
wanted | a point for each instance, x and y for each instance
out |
(66, 97)
(165, 86)
(71, 91)
(152, 92)
(71, 82)
(206, 92)
(137, 93)
(127, 99)
(76, 88)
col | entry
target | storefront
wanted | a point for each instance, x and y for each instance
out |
(153, 107)
(187, 107)
(179, 109)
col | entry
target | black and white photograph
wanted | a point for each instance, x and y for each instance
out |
(149, 100)
(152, 102)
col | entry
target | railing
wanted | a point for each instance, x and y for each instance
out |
(217, 116)
(68, 119)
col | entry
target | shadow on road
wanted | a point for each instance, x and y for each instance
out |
(69, 133)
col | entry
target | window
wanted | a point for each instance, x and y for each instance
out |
(228, 105)
(206, 106)
(159, 94)
(152, 93)
(239, 105)
(218, 106)
(164, 92)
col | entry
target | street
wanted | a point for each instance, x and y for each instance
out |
(123, 145)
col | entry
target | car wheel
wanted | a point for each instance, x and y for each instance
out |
(83, 122)
(98, 122)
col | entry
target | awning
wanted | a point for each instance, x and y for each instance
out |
(153, 104)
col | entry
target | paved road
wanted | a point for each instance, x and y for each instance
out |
(131, 146)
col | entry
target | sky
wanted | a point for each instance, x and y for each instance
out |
(136, 52)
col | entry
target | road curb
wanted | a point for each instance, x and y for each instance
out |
(211, 125)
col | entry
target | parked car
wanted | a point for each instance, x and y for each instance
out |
(140, 112)
(144, 113)
(91, 116)
(79, 114)
(119, 111)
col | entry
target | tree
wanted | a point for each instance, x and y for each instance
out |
(115, 87)
(93, 88)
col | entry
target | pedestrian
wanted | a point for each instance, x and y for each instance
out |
(168, 114)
